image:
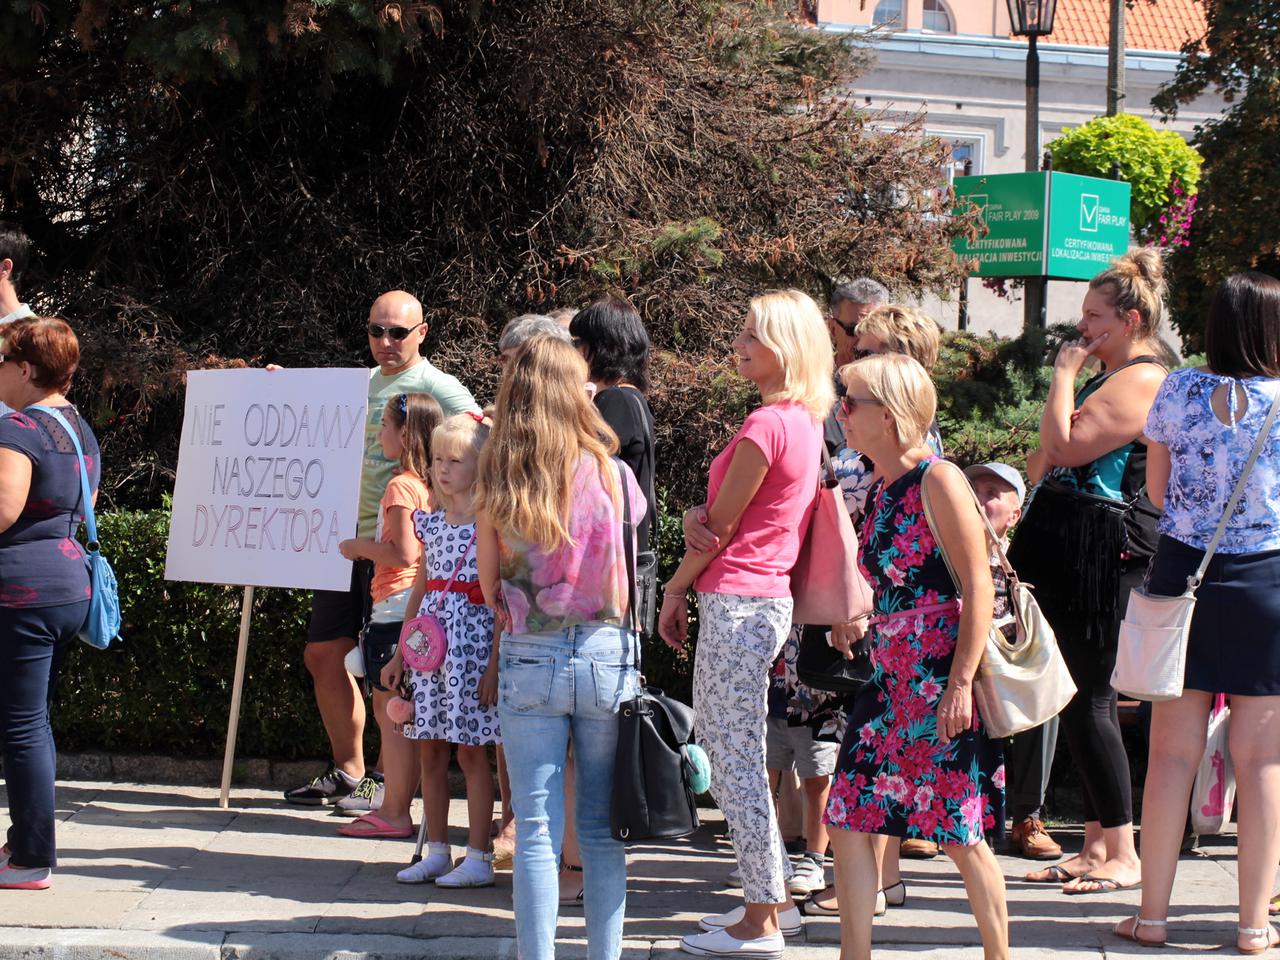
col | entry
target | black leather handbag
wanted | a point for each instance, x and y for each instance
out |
(653, 797)
(378, 642)
(821, 666)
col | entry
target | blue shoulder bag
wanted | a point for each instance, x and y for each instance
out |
(103, 623)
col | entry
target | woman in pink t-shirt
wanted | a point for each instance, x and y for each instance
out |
(759, 490)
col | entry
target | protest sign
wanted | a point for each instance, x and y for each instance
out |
(268, 477)
(268, 486)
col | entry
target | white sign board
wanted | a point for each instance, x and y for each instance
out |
(268, 477)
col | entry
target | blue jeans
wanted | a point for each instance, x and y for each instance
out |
(33, 642)
(553, 685)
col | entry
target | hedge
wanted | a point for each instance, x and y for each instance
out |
(165, 688)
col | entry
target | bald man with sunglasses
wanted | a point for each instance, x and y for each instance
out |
(396, 331)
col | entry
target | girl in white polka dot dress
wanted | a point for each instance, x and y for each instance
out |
(456, 703)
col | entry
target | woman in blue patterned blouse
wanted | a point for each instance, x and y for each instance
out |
(1200, 431)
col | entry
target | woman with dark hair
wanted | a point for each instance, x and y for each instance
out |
(44, 577)
(615, 344)
(1201, 430)
(612, 339)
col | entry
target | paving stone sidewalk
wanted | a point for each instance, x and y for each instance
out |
(161, 873)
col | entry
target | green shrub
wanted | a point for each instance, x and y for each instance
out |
(1151, 160)
(166, 686)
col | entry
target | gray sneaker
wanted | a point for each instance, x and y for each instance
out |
(809, 877)
(326, 789)
(365, 798)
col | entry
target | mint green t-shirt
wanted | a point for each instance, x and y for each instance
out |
(422, 377)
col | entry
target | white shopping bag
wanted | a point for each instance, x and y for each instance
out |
(1215, 787)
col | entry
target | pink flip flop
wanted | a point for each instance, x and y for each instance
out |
(380, 829)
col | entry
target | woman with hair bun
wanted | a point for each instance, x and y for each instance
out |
(1085, 540)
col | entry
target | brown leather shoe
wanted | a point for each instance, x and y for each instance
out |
(917, 849)
(1030, 840)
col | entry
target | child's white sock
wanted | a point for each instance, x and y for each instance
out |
(435, 864)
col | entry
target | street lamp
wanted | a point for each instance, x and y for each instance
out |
(1032, 19)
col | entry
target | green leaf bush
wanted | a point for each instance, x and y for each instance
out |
(1151, 160)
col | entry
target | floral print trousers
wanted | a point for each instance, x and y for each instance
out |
(739, 638)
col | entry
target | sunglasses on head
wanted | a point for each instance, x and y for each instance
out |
(378, 331)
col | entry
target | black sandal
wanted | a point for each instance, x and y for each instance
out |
(572, 901)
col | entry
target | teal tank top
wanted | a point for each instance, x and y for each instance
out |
(1119, 475)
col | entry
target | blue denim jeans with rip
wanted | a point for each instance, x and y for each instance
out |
(553, 686)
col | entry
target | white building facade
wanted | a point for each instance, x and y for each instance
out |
(955, 65)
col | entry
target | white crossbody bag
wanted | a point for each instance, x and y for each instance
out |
(1152, 655)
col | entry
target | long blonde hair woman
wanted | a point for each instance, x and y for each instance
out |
(552, 563)
(759, 491)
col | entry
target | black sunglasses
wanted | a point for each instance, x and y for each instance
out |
(850, 331)
(377, 331)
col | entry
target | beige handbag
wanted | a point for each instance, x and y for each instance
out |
(1152, 655)
(1024, 682)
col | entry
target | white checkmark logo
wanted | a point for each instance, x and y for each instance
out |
(1089, 212)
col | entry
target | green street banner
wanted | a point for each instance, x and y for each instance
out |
(1042, 224)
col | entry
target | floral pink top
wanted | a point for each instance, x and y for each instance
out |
(584, 580)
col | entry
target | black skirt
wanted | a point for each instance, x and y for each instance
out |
(1234, 646)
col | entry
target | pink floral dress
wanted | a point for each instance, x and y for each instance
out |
(894, 777)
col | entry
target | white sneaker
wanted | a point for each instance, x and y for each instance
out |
(475, 870)
(719, 943)
(808, 877)
(734, 879)
(789, 920)
(435, 864)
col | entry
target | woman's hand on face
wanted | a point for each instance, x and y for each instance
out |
(1072, 356)
(673, 622)
(955, 711)
(698, 537)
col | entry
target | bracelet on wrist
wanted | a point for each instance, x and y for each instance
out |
(666, 595)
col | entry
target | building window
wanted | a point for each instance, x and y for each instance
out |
(936, 17)
(962, 151)
(888, 13)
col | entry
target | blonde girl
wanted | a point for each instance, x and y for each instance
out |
(553, 564)
(453, 705)
(405, 437)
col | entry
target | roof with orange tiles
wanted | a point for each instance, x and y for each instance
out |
(1148, 25)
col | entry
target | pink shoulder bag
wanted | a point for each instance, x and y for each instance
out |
(423, 641)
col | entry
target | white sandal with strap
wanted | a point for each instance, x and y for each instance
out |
(1138, 924)
(1257, 933)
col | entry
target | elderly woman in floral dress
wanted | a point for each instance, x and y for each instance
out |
(916, 761)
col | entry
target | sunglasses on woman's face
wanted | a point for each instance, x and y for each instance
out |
(378, 331)
(849, 403)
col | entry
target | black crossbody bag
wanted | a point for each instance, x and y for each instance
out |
(652, 797)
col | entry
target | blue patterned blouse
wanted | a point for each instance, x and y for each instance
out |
(1207, 457)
